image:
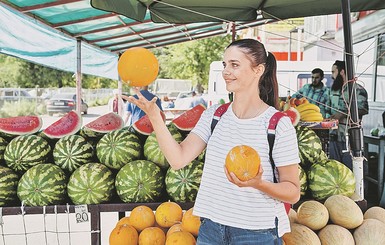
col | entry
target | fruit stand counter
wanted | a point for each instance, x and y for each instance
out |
(90, 213)
(380, 142)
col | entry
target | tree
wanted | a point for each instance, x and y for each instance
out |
(191, 60)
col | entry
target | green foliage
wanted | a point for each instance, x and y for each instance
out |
(191, 60)
(22, 108)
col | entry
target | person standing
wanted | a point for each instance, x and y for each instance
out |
(316, 92)
(339, 104)
(196, 100)
(115, 104)
(260, 217)
(134, 112)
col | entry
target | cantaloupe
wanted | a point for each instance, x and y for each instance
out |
(292, 216)
(335, 235)
(344, 211)
(375, 213)
(301, 235)
(313, 214)
(371, 232)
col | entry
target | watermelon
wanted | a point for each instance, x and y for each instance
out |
(330, 177)
(42, 185)
(71, 152)
(293, 114)
(117, 148)
(309, 146)
(105, 123)
(69, 124)
(302, 180)
(26, 151)
(20, 125)
(3, 145)
(139, 181)
(187, 120)
(92, 183)
(144, 126)
(152, 150)
(182, 185)
(8, 185)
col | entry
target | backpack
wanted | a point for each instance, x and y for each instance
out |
(270, 136)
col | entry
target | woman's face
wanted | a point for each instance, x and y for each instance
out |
(238, 72)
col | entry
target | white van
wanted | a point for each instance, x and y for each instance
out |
(291, 76)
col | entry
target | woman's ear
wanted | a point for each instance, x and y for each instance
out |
(259, 70)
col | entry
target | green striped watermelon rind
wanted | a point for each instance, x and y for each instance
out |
(152, 150)
(140, 181)
(105, 123)
(26, 151)
(330, 177)
(8, 186)
(3, 145)
(182, 185)
(92, 183)
(42, 185)
(71, 152)
(20, 125)
(117, 148)
(309, 146)
(69, 124)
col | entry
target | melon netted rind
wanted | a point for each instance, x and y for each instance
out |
(69, 124)
(20, 125)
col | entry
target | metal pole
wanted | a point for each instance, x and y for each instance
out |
(355, 132)
(78, 75)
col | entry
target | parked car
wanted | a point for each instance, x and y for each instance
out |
(63, 103)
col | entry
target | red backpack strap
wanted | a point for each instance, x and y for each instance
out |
(218, 114)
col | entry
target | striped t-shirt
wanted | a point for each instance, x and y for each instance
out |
(242, 207)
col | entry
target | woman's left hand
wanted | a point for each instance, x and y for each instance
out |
(254, 182)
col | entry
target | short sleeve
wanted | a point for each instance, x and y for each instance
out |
(203, 127)
(285, 149)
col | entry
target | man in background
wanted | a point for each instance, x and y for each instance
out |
(196, 100)
(134, 113)
(339, 104)
(115, 104)
(316, 92)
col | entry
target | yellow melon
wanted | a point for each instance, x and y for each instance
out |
(124, 220)
(301, 235)
(152, 236)
(335, 234)
(124, 235)
(174, 228)
(168, 214)
(313, 214)
(344, 211)
(243, 161)
(142, 217)
(370, 232)
(181, 238)
(375, 213)
(190, 222)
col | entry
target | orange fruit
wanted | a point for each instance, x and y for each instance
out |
(168, 214)
(174, 228)
(142, 217)
(243, 161)
(181, 238)
(190, 222)
(124, 235)
(152, 236)
(124, 220)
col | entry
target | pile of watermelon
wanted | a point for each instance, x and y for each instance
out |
(101, 162)
(104, 162)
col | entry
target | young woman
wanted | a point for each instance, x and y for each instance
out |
(234, 211)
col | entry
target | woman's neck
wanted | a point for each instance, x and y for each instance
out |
(245, 108)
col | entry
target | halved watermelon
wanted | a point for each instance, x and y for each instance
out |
(293, 114)
(144, 126)
(106, 123)
(189, 119)
(20, 125)
(69, 124)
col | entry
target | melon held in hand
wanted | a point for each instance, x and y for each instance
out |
(243, 161)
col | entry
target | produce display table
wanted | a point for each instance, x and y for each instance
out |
(380, 142)
(94, 211)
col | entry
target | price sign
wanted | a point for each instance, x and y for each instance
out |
(81, 213)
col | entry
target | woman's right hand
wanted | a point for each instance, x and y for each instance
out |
(148, 106)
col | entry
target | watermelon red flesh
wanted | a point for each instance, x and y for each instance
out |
(69, 124)
(144, 126)
(20, 125)
(293, 114)
(106, 123)
(189, 119)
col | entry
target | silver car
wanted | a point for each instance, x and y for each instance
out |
(63, 103)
